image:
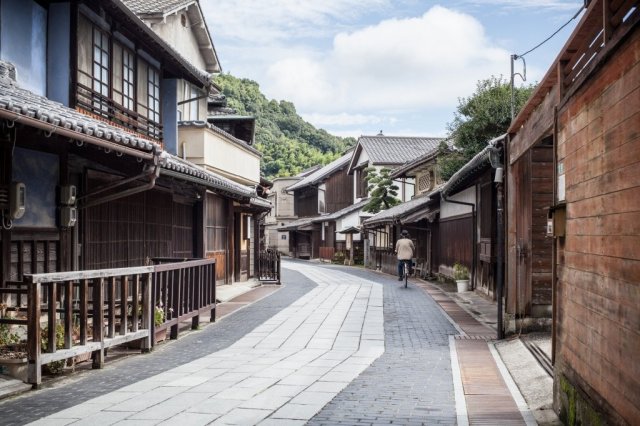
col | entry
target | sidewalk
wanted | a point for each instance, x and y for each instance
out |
(476, 315)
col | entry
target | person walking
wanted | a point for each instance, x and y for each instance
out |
(404, 251)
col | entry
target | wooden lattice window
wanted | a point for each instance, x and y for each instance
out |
(100, 69)
(425, 182)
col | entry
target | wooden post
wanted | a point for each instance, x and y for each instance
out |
(51, 317)
(175, 285)
(210, 280)
(111, 307)
(68, 315)
(98, 321)
(135, 305)
(196, 297)
(124, 301)
(84, 313)
(34, 368)
(147, 312)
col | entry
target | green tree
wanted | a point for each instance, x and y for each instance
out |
(287, 142)
(382, 191)
(478, 119)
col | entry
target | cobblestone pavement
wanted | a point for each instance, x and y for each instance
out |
(118, 374)
(319, 349)
(411, 383)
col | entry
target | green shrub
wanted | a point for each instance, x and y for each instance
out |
(460, 272)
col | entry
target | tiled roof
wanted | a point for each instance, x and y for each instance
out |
(418, 161)
(319, 175)
(126, 7)
(396, 212)
(479, 163)
(292, 226)
(202, 124)
(261, 203)
(397, 149)
(141, 7)
(17, 103)
(173, 165)
(343, 212)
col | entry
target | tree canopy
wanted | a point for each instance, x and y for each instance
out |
(288, 143)
(382, 191)
(479, 118)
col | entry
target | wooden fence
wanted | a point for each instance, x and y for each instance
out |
(123, 300)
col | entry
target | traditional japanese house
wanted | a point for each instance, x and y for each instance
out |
(281, 214)
(573, 199)
(389, 152)
(339, 233)
(418, 216)
(90, 180)
(472, 242)
(211, 136)
(326, 190)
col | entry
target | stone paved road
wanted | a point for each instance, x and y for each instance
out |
(280, 361)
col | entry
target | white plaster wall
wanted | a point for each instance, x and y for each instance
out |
(352, 219)
(181, 38)
(210, 150)
(448, 209)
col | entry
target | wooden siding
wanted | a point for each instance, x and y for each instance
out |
(125, 232)
(339, 192)
(306, 202)
(599, 259)
(541, 245)
(456, 241)
(216, 222)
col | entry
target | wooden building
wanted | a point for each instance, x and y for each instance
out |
(471, 240)
(324, 191)
(573, 202)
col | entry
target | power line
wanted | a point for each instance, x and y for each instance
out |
(551, 36)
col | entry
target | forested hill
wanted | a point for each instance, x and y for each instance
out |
(288, 143)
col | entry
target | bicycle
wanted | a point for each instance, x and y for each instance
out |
(406, 271)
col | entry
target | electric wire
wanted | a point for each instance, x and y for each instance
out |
(552, 35)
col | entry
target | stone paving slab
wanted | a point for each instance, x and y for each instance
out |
(337, 308)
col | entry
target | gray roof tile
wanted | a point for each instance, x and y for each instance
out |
(140, 7)
(319, 175)
(396, 212)
(24, 103)
(397, 149)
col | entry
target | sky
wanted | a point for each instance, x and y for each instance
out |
(356, 67)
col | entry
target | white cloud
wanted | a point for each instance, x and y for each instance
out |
(344, 119)
(267, 21)
(540, 5)
(391, 68)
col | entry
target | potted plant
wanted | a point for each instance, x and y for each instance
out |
(158, 320)
(461, 275)
(13, 354)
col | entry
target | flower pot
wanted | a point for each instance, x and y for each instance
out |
(463, 285)
(14, 367)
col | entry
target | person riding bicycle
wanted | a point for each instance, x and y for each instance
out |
(404, 250)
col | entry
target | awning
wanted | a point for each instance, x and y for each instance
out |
(427, 213)
(350, 230)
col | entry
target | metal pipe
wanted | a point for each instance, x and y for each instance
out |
(93, 140)
(474, 236)
(500, 255)
(152, 176)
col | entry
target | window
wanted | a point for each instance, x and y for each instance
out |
(361, 183)
(283, 236)
(153, 103)
(189, 110)
(100, 70)
(321, 203)
(113, 81)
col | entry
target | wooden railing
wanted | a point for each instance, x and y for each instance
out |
(89, 311)
(269, 266)
(184, 291)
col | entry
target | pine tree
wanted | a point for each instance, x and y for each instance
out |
(382, 191)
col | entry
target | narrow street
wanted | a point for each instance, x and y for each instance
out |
(333, 346)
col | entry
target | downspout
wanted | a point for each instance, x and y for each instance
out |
(152, 174)
(500, 264)
(475, 234)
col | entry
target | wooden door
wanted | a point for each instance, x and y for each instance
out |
(523, 214)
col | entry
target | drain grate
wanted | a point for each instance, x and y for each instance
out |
(479, 337)
(539, 355)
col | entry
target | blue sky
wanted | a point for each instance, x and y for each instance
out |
(355, 67)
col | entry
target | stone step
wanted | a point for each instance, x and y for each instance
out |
(10, 387)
